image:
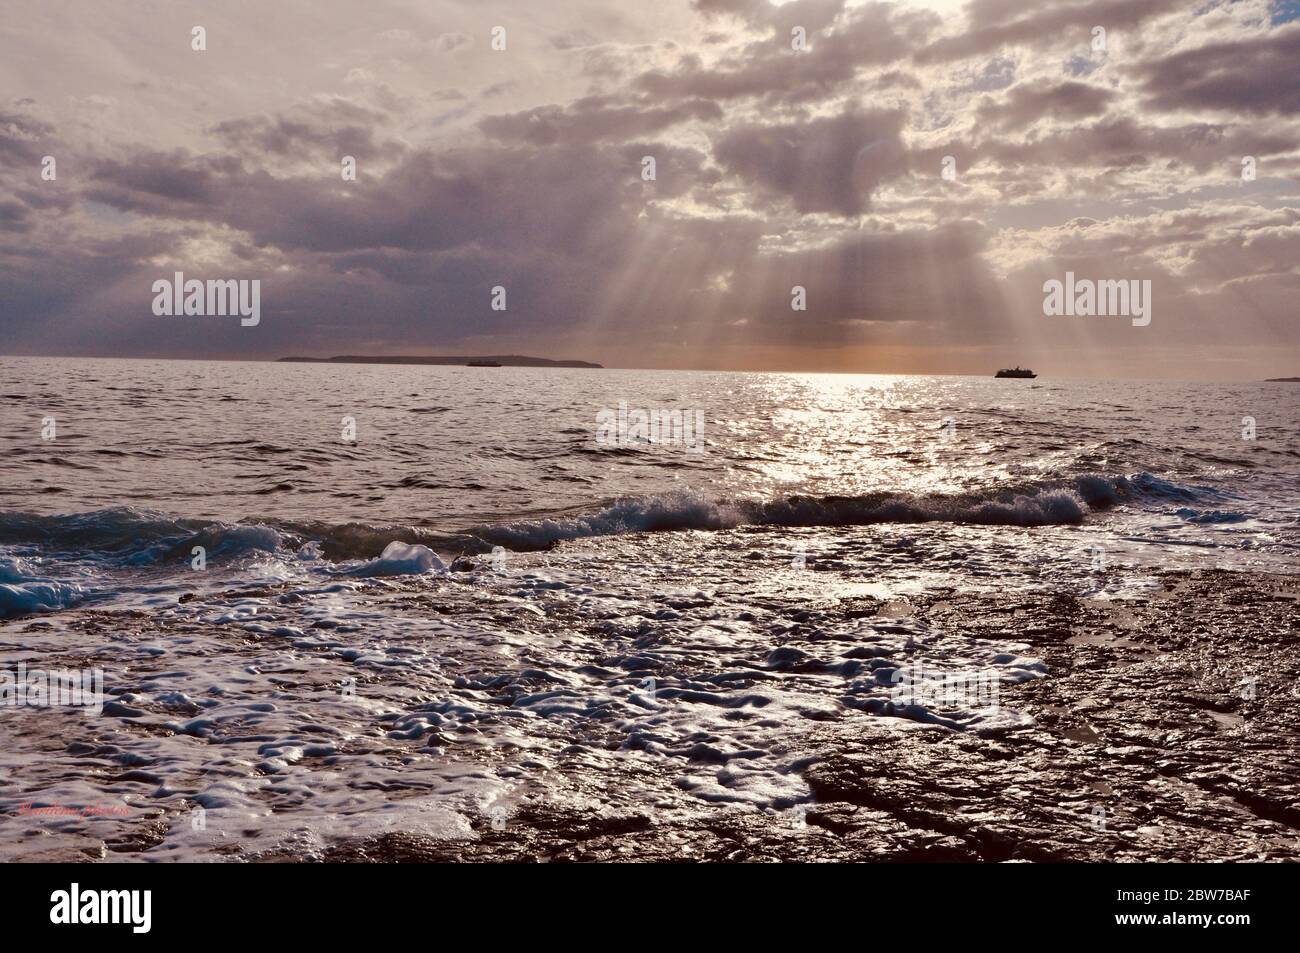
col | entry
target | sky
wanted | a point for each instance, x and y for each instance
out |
(918, 169)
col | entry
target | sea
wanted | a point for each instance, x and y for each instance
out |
(335, 599)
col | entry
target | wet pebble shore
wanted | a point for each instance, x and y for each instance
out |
(1168, 730)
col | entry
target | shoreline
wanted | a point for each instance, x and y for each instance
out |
(1142, 748)
(1184, 769)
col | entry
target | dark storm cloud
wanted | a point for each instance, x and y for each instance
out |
(1027, 103)
(568, 200)
(1259, 76)
(1128, 143)
(161, 183)
(822, 165)
(94, 294)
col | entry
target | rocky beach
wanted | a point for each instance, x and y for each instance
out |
(1166, 729)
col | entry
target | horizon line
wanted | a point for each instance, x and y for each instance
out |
(606, 367)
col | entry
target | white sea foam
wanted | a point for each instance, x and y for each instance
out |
(24, 590)
(323, 711)
(401, 559)
(28, 597)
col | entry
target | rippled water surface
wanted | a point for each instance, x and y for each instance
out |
(522, 609)
(452, 447)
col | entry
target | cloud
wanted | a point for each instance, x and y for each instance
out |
(335, 127)
(592, 119)
(774, 168)
(1257, 76)
(1062, 102)
(1051, 23)
(21, 136)
(874, 34)
(822, 165)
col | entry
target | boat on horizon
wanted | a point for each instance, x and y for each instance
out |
(1016, 371)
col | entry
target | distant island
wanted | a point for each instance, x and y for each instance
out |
(1282, 380)
(502, 360)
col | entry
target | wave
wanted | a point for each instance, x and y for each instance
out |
(1046, 504)
(30, 597)
(140, 537)
(143, 536)
(23, 591)
(138, 534)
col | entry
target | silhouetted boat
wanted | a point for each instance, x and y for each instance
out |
(484, 364)
(1015, 372)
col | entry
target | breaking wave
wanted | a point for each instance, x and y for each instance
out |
(141, 537)
(24, 591)
(1045, 504)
